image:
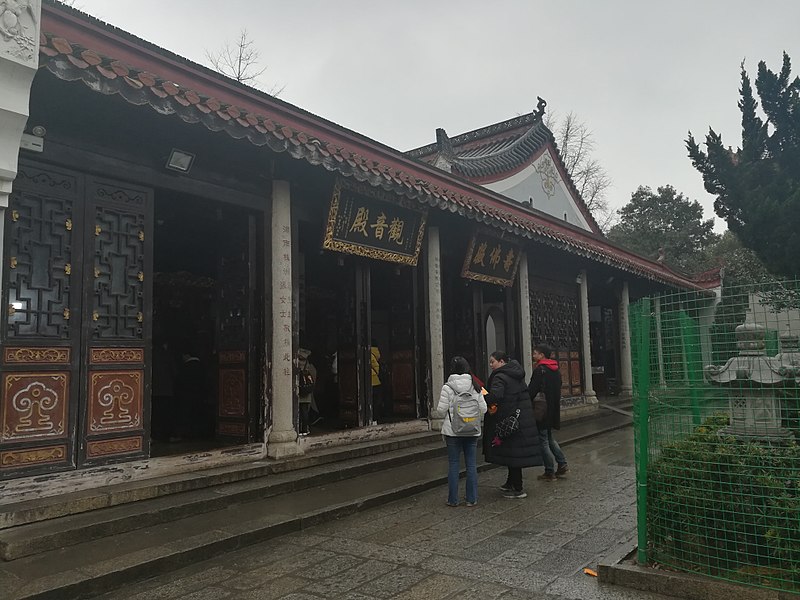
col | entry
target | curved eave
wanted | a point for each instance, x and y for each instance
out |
(397, 173)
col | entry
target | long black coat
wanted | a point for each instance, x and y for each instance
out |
(508, 391)
(547, 380)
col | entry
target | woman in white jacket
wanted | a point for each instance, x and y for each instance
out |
(461, 382)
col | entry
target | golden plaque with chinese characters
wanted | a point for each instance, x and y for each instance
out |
(491, 260)
(370, 222)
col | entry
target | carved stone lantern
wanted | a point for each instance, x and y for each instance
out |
(753, 381)
(789, 358)
(790, 350)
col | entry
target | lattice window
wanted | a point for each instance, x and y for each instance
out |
(39, 263)
(118, 303)
(555, 320)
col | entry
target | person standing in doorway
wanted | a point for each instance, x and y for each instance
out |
(464, 406)
(508, 393)
(377, 389)
(546, 379)
(306, 381)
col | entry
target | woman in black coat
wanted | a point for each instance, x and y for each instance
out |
(507, 393)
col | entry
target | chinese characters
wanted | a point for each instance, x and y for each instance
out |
(379, 227)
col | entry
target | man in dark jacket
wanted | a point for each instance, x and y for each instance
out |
(547, 380)
(507, 393)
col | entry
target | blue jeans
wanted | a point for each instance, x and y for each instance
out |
(454, 447)
(551, 451)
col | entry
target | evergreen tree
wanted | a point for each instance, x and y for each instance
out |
(758, 185)
(665, 223)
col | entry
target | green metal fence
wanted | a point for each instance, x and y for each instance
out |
(717, 425)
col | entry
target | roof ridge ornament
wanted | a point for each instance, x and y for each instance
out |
(539, 112)
(446, 154)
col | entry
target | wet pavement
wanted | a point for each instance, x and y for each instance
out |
(418, 548)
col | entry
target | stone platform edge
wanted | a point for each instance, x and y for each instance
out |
(626, 573)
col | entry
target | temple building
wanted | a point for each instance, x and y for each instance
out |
(173, 241)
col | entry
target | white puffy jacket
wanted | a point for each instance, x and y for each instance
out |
(461, 383)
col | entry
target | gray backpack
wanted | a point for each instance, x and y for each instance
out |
(465, 413)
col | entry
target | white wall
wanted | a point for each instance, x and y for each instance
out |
(542, 182)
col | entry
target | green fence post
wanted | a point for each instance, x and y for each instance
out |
(692, 356)
(642, 428)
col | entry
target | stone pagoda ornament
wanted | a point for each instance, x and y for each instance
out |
(790, 350)
(754, 381)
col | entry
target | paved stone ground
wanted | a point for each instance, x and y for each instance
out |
(418, 548)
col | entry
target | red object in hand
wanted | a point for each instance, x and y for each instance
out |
(496, 441)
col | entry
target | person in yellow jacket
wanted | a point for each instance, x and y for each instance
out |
(377, 390)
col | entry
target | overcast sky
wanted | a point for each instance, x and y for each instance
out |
(639, 74)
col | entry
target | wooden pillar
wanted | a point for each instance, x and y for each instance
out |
(436, 325)
(586, 346)
(282, 439)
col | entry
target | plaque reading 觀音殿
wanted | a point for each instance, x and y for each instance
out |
(491, 260)
(369, 222)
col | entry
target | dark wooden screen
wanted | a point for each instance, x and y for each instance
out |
(235, 326)
(348, 349)
(555, 320)
(402, 344)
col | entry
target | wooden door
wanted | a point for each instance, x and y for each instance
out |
(402, 342)
(236, 325)
(41, 330)
(76, 328)
(116, 318)
(355, 389)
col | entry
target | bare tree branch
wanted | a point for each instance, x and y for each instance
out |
(240, 61)
(576, 144)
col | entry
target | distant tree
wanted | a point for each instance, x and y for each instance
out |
(758, 185)
(742, 266)
(240, 61)
(665, 225)
(576, 144)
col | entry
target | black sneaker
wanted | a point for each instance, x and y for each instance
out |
(506, 487)
(517, 494)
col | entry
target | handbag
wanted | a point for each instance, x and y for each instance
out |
(539, 407)
(508, 426)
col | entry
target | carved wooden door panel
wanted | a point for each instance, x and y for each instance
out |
(402, 331)
(236, 285)
(117, 313)
(555, 320)
(41, 322)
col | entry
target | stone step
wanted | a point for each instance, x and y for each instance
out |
(96, 566)
(13, 514)
(37, 537)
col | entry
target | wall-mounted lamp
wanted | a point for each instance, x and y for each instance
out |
(180, 161)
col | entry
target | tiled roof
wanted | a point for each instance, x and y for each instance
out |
(69, 49)
(500, 150)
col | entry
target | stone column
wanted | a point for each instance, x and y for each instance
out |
(586, 346)
(435, 324)
(282, 439)
(626, 374)
(19, 60)
(526, 354)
